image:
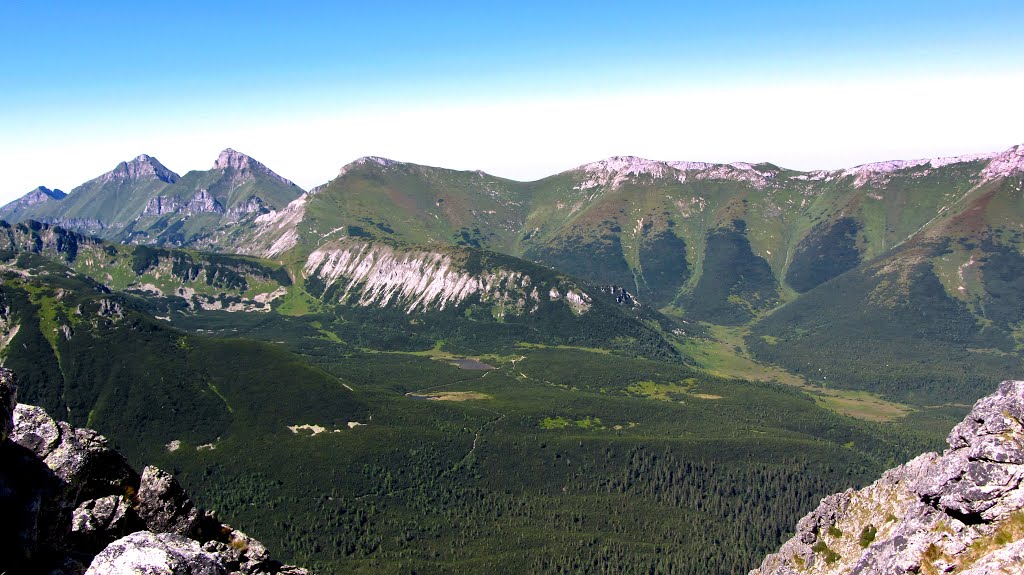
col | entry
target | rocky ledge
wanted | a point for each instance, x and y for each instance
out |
(71, 505)
(961, 512)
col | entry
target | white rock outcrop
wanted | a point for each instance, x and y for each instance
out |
(155, 554)
(419, 280)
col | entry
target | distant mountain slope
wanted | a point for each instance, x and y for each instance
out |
(639, 223)
(810, 261)
(930, 319)
(108, 200)
(23, 207)
(477, 300)
(203, 281)
(144, 202)
(625, 221)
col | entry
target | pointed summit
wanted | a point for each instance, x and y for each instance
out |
(1008, 163)
(229, 158)
(377, 160)
(235, 160)
(44, 194)
(142, 167)
(36, 196)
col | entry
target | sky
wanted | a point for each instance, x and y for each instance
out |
(520, 90)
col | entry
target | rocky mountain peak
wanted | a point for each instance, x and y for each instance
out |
(959, 512)
(37, 196)
(142, 167)
(1008, 163)
(229, 158)
(634, 165)
(44, 193)
(368, 160)
(878, 173)
(616, 170)
(242, 163)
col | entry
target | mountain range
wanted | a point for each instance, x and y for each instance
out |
(840, 276)
(410, 368)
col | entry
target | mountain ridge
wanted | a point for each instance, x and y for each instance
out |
(143, 201)
(750, 246)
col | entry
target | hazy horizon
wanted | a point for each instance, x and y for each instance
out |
(519, 92)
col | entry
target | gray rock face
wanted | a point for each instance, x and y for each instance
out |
(1007, 560)
(244, 165)
(201, 203)
(41, 194)
(8, 400)
(142, 167)
(52, 475)
(78, 457)
(161, 205)
(164, 505)
(110, 514)
(155, 554)
(961, 512)
(254, 205)
(979, 477)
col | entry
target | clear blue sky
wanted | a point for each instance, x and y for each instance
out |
(518, 89)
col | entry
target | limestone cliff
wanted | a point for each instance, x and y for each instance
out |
(961, 512)
(375, 274)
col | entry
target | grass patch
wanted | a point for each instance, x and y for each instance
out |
(559, 422)
(725, 355)
(826, 553)
(526, 345)
(452, 396)
(658, 391)
(867, 535)
(669, 391)
(861, 405)
(554, 423)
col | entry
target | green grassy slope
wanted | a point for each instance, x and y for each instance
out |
(935, 320)
(645, 225)
(377, 198)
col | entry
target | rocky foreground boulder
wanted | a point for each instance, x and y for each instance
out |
(958, 513)
(71, 505)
